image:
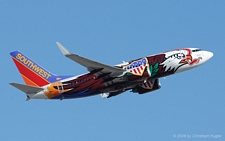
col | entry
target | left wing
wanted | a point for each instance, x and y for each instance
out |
(90, 64)
(26, 88)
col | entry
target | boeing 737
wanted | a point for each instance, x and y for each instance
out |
(138, 76)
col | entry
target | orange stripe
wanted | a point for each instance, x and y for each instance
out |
(28, 81)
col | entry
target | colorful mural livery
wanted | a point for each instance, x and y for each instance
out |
(140, 75)
(137, 67)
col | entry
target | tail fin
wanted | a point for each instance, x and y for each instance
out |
(32, 73)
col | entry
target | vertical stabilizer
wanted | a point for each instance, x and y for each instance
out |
(32, 73)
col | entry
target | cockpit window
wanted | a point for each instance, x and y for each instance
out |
(196, 50)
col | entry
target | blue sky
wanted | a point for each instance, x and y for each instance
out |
(190, 103)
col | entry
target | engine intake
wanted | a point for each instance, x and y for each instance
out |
(146, 87)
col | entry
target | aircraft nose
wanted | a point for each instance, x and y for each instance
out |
(208, 55)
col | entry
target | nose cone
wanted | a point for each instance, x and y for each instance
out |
(208, 55)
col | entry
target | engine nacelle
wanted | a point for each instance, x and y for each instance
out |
(146, 87)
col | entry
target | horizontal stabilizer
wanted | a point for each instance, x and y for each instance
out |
(27, 89)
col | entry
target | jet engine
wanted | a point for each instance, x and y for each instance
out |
(147, 86)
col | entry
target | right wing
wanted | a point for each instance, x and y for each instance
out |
(90, 64)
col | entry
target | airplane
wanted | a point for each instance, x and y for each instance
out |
(138, 76)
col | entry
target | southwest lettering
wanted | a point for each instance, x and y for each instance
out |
(48, 75)
(29, 63)
(44, 74)
(32, 66)
(36, 68)
(18, 56)
(22, 59)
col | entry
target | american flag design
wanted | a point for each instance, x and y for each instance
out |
(137, 67)
(148, 85)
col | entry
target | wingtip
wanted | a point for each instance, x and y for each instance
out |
(12, 83)
(63, 49)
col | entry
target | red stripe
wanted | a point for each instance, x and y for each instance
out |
(141, 67)
(135, 71)
(30, 74)
(145, 85)
(28, 81)
(194, 61)
(138, 70)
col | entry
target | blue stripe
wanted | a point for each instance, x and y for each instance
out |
(81, 94)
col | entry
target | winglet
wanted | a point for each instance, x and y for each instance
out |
(63, 49)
